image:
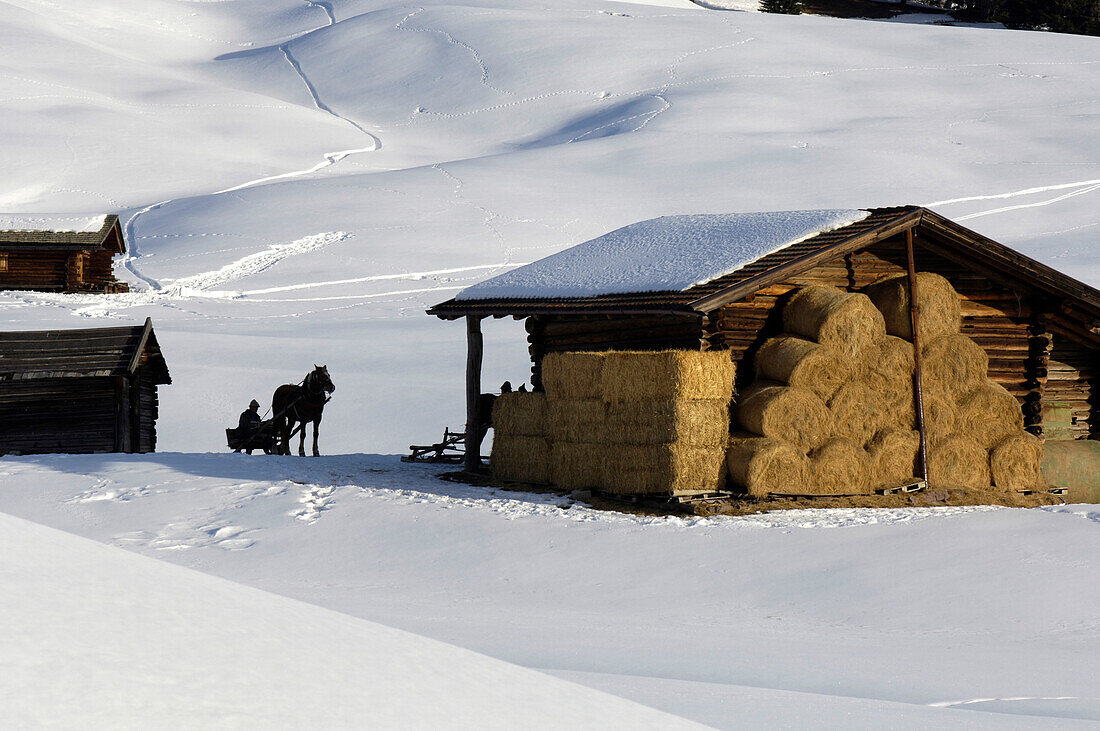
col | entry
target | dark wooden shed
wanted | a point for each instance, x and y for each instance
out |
(1040, 328)
(80, 391)
(62, 261)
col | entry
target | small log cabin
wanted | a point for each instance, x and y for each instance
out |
(78, 260)
(1040, 327)
(80, 391)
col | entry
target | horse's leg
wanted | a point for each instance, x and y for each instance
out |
(302, 439)
(316, 428)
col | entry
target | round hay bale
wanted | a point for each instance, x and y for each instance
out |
(761, 465)
(958, 461)
(845, 321)
(953, 364)
(858, 412)
(940, 312)
(800, 362)
(787, 413)
(893, 457)
(840, 467)
(1016, 462)
(940, 417)
(892, 359)
(988, 414)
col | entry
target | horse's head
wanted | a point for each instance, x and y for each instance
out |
(320, 377)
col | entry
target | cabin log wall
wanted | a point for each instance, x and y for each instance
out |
(43, 271)
(71, 415)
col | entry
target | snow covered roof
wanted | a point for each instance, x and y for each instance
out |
(60, 231)
(666, 254)
(61, 223)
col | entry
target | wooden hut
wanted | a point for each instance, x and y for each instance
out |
(80, 391)
(52, 254)
(1040, 328)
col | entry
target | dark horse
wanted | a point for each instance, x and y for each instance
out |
(301, 404)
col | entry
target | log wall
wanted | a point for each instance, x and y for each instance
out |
(45, 271)
(79, 415)
(68, 415)
(1073, 379)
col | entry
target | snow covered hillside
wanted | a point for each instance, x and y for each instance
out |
(300, 179)
(99, 638)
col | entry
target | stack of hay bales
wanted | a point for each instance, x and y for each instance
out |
(521, 449)
(831, 410)
(817, 401)
(974, 425)
(667, 421)
(623, 422)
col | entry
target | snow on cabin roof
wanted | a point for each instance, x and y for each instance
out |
(666, 254)
(60, 223)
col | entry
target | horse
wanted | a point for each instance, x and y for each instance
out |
(303, 403)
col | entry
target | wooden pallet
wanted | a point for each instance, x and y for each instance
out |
(1048, 490)
(912, 486)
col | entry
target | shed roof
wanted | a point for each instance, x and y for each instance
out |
(61, 232)
(971, 249)
(108, 351)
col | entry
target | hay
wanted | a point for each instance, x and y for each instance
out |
(577, 466)
(803, 363)
(958, 461)
(892, 360)
(940, 417)
(693, 423)
(787, 413)
(520, 415)
(1016, 462)
(847, 322)
(893, 457)
(665, 375)
(664, 468)
(760, 465)
(522, 459)
(988, 414)
(582, 421)
(858, 412)
(839, 467)
(953, 364)
(940, 312)
(573, 375)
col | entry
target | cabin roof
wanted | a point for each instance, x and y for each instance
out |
(949, 239)
(108, 351)
(61, 232)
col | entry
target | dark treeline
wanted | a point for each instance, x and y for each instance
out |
(1060, 16)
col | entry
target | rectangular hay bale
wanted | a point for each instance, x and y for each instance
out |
(576, 466)
(520, 415)
(690, 423)
(581, 421)
(664, 468)
(522, 459)
(665, 375)
(573, 375)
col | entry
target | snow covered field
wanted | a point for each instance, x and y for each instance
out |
(299, 180)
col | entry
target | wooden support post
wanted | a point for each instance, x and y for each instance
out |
(473, 393)
(914, 321)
